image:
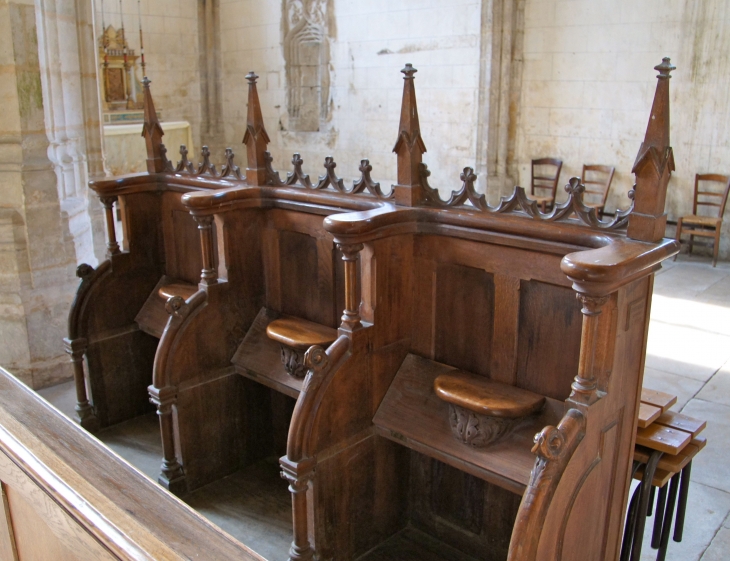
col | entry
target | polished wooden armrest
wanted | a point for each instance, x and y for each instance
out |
(485, 397)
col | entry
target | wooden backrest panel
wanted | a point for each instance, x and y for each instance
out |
(463, 317)
(548, 344)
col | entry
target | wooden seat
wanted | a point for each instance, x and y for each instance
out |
(485, 397)
(482, 411)
(545, 181)
(296, 335)
(299, 333)
(597, 180)
(703, 225)
(182, 289)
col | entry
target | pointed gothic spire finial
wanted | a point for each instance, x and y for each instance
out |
(152, 132)
(256, 139)
(653, 166)
(409, 146)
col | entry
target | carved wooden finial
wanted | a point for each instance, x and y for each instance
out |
(152, 132)
(653, 166)
(409, 146)
(256, 139)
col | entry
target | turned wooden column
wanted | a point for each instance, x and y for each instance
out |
(584, 386)
(76, 348)
(351, 315)
(298, 474)
(112, 247)
(208, 275)
(172, 476)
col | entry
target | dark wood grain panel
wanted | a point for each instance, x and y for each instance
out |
(464, 318)
(549, 339)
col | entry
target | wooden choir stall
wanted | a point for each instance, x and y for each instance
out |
(421, 366)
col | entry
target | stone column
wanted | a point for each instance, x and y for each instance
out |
(37, 255)
(499, 94)
(67, 57)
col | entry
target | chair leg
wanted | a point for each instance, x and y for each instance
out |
(667, 526)
(659, 517)
(691, 243)
(651, 501)
(678, 235)
(630, 528)
(649, 470)
(716, 247)
(682, 505)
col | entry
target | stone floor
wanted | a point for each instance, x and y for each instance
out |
(688, 355)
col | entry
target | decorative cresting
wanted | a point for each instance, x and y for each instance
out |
(653, 166)
(409, 146)
(152, 132)
(584, 390)
(163, 393)
(329, 179)
(554, 448)
(519, 203)
(76, 346)
(481, 411)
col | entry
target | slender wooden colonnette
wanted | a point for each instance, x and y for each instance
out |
(416, 287)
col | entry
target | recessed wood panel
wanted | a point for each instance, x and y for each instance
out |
(464, 310)
(299, 282)
(548, 346)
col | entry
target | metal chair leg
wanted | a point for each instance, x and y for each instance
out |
(682, 505)
(643, 501)
(667, 526)
(661, 503)
(630, 525)
(650, 510)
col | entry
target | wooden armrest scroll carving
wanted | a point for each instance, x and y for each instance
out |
(321, 366)
(554, 448)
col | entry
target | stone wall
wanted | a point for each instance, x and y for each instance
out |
(587, 88)
(37, 254)
(367, 44)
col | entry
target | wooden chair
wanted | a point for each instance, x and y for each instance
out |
(703, 222)
(597, 180)
(546, 182)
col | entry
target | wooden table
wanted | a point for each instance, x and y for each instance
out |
(666, 443)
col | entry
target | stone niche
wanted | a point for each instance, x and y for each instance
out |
(307, 27)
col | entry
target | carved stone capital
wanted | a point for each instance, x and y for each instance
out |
(591, 305)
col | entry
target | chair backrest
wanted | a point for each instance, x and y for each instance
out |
(597, 179)
(711, 198)
(542, 179)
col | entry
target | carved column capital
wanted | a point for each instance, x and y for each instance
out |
(108, 202)
(591, 305)
(350, 251)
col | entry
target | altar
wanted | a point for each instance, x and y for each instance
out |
(124, 145)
